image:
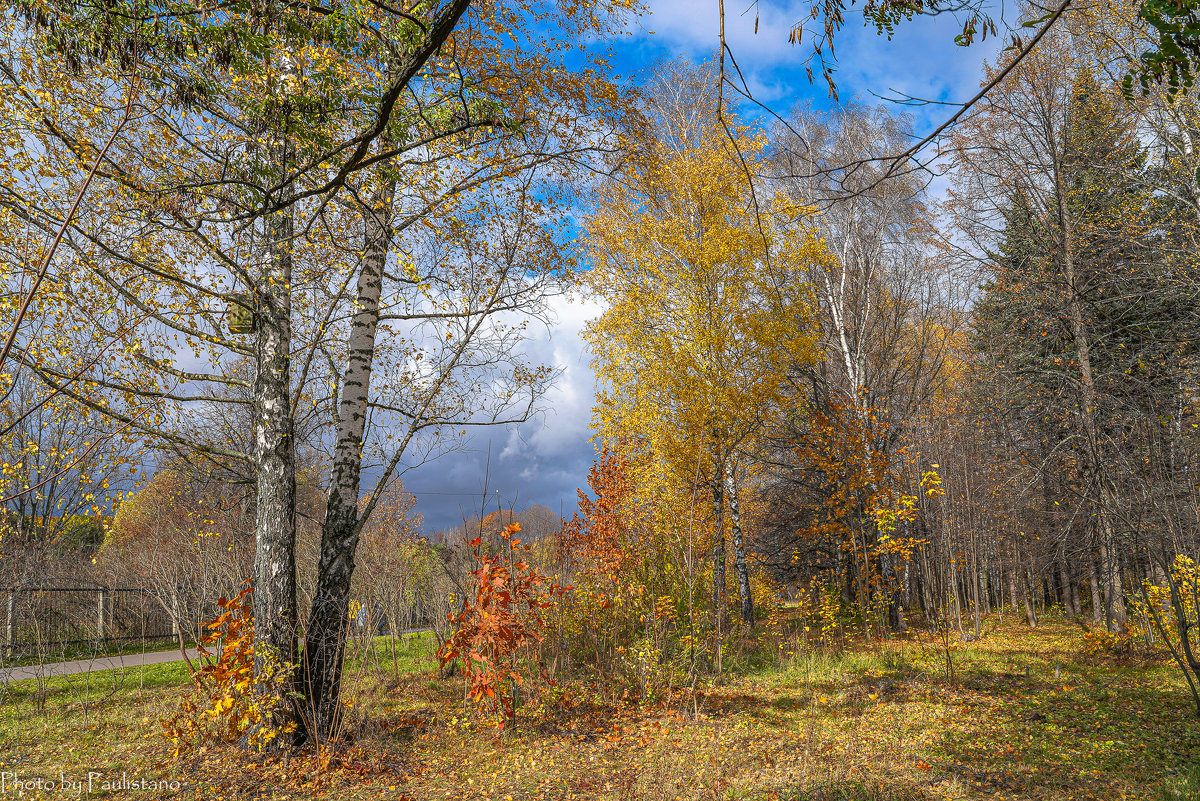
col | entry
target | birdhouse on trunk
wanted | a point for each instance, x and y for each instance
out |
(240, 316)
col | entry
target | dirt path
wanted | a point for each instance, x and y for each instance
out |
(99, 663)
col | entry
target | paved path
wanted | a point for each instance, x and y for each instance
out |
(112, 662)
(87, 665)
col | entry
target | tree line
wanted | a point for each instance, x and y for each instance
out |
(922, 410)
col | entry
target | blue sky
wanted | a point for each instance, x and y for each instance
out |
(547, 458)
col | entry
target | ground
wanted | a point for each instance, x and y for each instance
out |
(1021, 714)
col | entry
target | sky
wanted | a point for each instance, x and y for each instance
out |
(547, 458)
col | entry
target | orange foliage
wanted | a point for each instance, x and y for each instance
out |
(593, 539)
(860, 504)
(235, 699)
(503, 618)
(856, 474)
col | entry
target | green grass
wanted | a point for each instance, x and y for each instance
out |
(1183, 787)
(412, 652)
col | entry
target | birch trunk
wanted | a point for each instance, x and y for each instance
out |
(274, 453)
(329, 618)
(718, 500)
(739, 553)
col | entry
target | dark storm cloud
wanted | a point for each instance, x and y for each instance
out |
(543, 460)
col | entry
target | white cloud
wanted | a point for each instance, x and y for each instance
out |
(568, 405)
(680, 23)
(920, 59)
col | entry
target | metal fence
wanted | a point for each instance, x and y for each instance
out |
(38, 618)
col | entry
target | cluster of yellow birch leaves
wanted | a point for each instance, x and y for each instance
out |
(705, 311)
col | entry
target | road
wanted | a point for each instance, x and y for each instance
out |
(22, 672)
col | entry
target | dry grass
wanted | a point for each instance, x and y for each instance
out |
(883, 722)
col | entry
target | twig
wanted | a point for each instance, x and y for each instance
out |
(62, 229)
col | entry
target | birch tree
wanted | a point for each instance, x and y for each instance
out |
(885, 314)
(702, 311)
(216, 233)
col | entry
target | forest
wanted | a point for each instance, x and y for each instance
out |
(895, 435)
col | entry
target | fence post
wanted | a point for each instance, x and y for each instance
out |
(100, 616)
(175, 610)
(8, 624)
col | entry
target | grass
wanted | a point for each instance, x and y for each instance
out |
(1023, 716)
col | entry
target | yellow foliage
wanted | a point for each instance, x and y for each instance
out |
(705, 312)
(931, 483)
(233, 697)
(1162, 611)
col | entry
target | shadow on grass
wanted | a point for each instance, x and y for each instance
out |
(1104, 737)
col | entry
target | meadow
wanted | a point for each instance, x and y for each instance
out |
(1018, 714)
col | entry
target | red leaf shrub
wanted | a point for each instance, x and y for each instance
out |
(495, 629)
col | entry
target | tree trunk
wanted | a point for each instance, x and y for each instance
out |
(1114, 600)
(274, 454)
(328, 620)
(956, 589)
(846, 580)
(739, 553)
(718, 501)
(1012, 589)
(928, 603)
(1076, 604)
(1027, 601)
(1068, 593)
(1094, 582)
(975, 600)
(903, 598)
(1115, 616)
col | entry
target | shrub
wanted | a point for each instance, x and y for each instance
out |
(1099, 642)
(496, 628)
(231, 699)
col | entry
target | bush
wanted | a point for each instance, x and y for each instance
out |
(1099, 642)
(231, 699)
(496, 629)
